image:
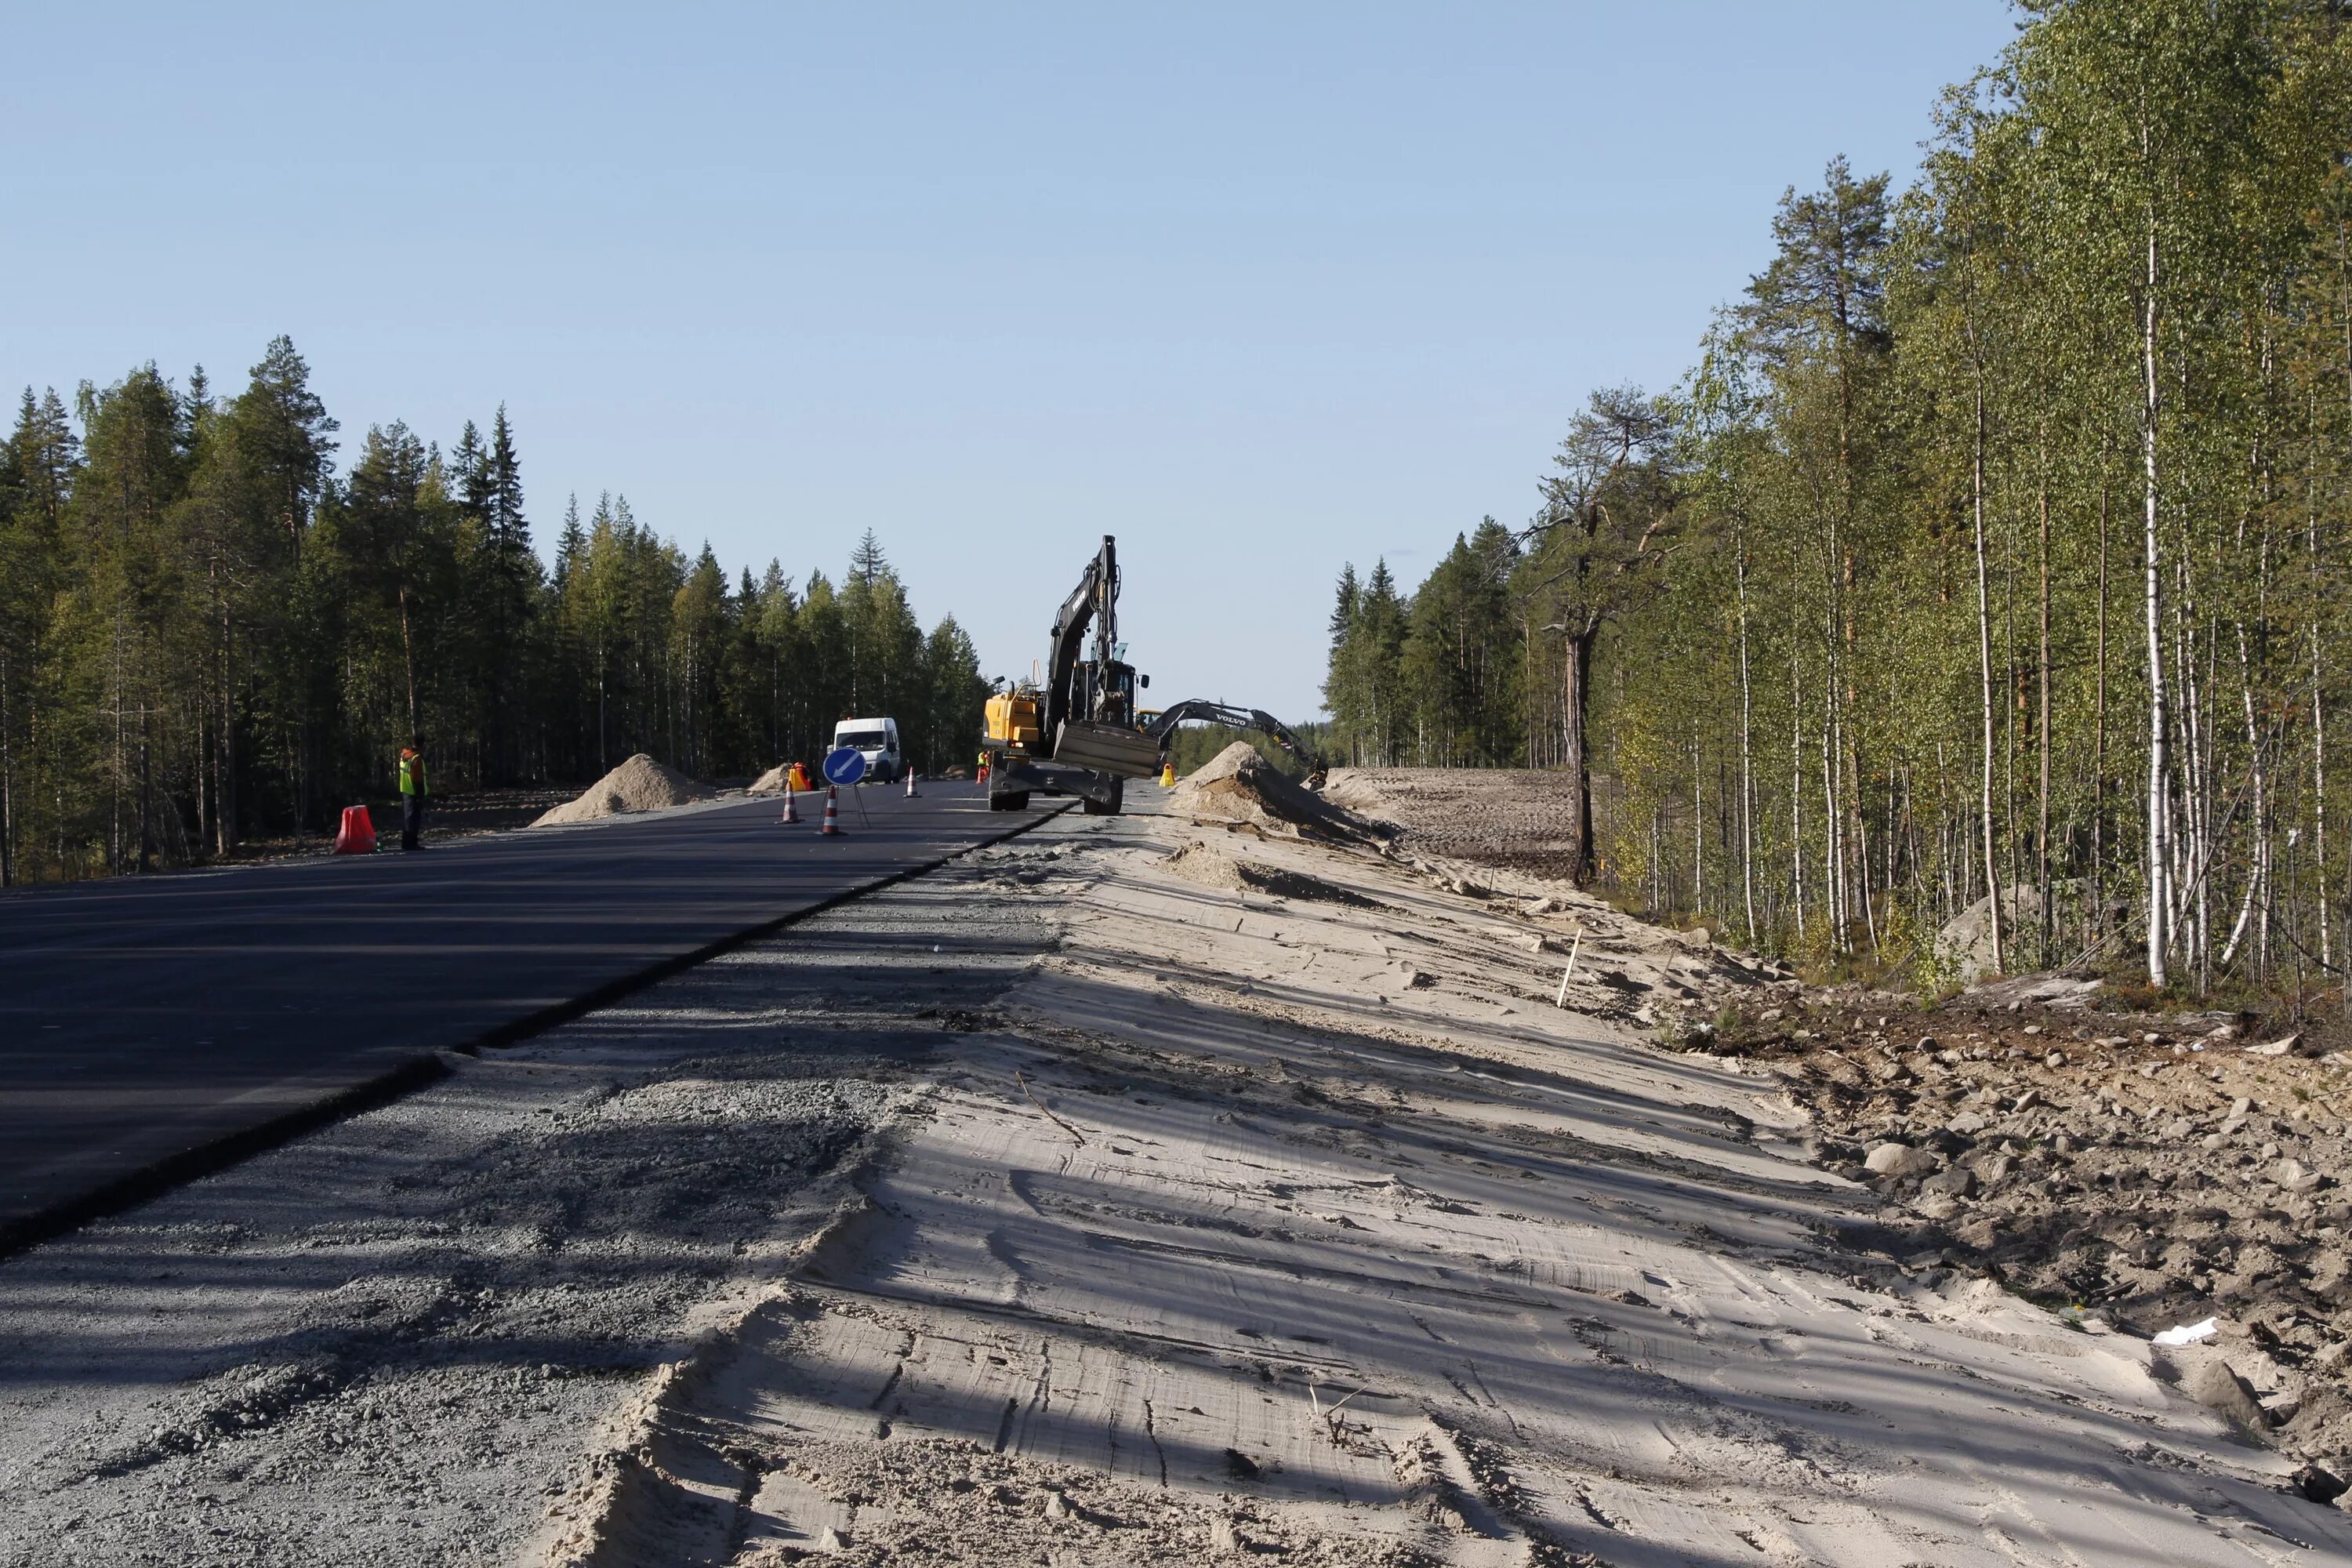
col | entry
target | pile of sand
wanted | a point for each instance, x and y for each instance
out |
(640, 784)
(772, 780)
(1238, 785)
(1197, 863)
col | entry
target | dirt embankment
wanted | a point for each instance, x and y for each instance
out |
(2141, 1171)
(2137, 1171)
(1270, 1225)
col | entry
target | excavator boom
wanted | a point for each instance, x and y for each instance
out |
(1195, 709)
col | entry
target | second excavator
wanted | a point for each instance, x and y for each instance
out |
(1162, 725)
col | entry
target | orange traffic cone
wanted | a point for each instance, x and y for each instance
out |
(357, 835)
(910, 785)
(1168, 775)
(832, 810)
(791, 811)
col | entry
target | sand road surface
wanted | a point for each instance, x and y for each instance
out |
(1305, 1228)
(1200, 1196)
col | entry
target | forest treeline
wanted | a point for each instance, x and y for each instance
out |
(208, 634)
(1997, 537)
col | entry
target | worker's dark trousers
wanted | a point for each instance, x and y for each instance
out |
(412, 819)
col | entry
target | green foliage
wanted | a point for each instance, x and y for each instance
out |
(1998, 538)
(1434, 680)
(206, 634)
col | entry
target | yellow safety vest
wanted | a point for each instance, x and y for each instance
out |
(412, 773)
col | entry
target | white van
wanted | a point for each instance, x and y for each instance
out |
(877, 740)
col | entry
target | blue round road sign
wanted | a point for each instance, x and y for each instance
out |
(843, 765)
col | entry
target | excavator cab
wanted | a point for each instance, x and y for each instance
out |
(1105, 740)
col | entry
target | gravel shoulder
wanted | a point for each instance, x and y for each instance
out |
(391, 1342)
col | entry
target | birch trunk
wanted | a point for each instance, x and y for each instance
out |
(1984, 667)
(2159, 804)
(1796, 789)
(2098, 933)
(2042, 826)
(1747, 748)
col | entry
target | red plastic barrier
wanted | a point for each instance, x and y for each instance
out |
(358, 834)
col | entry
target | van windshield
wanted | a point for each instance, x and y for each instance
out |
(863, 740)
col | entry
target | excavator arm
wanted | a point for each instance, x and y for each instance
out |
(1087, 710)
(1195, 709)
(1095, 601)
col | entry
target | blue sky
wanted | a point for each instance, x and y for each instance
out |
(1259, 289)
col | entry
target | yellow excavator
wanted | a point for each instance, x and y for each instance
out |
(1074, 732)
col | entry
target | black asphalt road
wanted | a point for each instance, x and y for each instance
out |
(150, 1027)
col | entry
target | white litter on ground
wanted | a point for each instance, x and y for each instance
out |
(2189, 1334)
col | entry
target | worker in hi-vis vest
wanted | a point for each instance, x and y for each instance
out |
(412, 793)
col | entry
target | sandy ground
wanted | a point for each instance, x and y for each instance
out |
(1303, 1226)
(1501, 819)
(1209, 1195)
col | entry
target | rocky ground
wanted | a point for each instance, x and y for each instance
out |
(2141, 1172)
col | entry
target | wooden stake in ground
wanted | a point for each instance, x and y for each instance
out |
(1049, 1115)
(1574, 946)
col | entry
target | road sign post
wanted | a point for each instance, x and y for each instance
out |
(844, 765)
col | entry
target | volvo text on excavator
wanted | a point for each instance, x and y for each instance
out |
(1074, 734)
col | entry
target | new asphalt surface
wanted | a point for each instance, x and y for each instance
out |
(154, 1028)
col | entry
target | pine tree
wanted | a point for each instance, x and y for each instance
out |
(513, 574)
(867, 564)
(204, 634)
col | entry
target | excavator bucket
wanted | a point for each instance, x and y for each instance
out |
(1107, 749)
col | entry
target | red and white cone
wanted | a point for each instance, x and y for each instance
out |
(910, 783)
(832, 811)
(792, 811)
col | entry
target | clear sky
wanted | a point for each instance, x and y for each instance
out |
(1260, 289)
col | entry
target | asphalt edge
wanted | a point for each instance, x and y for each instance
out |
(423, 1068)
